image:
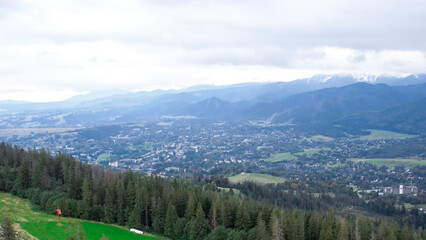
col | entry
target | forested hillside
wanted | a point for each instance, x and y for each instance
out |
(176, 208)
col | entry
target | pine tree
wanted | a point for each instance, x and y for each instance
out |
(87, 200)
(135, 217)
(197, 228)
(326, 232)
(260, 228)
(121, 214)
(109, 208)
(343, 231)
(190, 207)
(213, 222)
(170, 221)
(243, 221)
(24, 179)
(275, 227)
(313, 227)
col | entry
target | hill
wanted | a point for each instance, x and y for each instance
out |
(30, 222)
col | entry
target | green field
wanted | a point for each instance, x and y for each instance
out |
(392, 162)
(104, 158)
(255, 177)
(321, 138)
(31, 223)
(287, 156)
(336, 165)
(310, 152)
(381, 134)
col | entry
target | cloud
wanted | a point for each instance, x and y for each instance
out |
(88, 45)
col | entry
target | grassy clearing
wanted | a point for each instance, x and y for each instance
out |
(381, 134)
(44, 226)
(104, 158)
(237, 192)
(392, 162)
(312, 151)
(321, 138)
(255, 177)
(336, 165)
(287, 156)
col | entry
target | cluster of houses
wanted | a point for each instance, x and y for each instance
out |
(401, 189)
(395, 190)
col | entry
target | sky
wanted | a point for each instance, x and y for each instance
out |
(51, 50)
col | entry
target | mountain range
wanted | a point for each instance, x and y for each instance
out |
(348, 101)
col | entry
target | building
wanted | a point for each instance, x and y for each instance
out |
(401, 189)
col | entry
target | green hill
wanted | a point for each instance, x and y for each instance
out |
(32, 223)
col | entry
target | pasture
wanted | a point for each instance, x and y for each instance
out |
(33, 224)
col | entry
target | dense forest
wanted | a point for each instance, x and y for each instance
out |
(179, 209)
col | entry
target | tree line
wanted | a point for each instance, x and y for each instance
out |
(179, 209)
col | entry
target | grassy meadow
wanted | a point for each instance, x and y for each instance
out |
(33, 224)
(381, 134)
(255, 177)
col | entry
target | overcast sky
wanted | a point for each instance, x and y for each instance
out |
(51, 50)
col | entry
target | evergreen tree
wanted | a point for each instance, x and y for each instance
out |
(135, 219)
(121, 212)
(109, 208)
(86, 204)
(243, 221)
(213, 222)
(313, 227)
(260, 228)
(24, 179)
(220, 233)
(180, 229)
(190, 207)
(170, 221)
(365, 229)
(326, 232)
(275, 227)
(343, 231)
(197, 228)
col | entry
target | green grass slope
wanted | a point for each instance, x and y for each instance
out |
(254, 177)
(31, 223)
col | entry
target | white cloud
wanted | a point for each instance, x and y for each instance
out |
(88, 45)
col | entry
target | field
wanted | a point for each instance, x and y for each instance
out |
(392, 162)
(281, 157)
(310, 152)
(33, 224)
(254, 177)
(381, 134)
(288, 156)
(103, 158)
(321, 138)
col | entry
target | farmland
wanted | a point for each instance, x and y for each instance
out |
(31, 223)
